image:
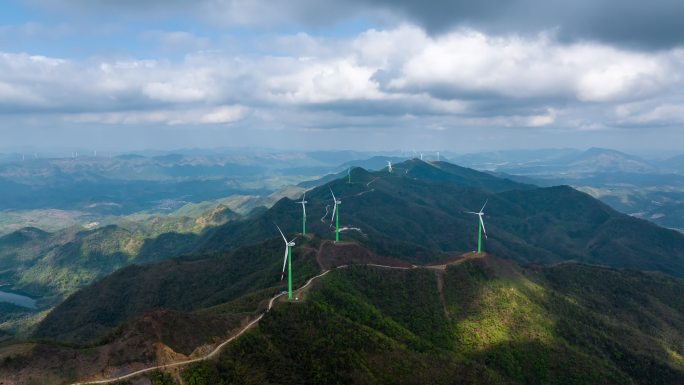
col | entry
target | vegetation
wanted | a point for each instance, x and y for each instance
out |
(161, 378)
(419, 214)
(483, 321)
(184, 284)
(57, 264)
(497, 324)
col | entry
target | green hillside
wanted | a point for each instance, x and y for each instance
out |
(54, 265)
(179, 284)
(419, 213)
(481, 322)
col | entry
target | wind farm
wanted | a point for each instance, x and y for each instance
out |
(180, 221)
(369, 265)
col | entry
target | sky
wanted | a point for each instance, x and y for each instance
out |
(451, 75)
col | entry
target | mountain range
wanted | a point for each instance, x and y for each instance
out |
(569, 290)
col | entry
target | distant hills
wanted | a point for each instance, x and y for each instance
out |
(558, 162)
(53, 265)
(651, 189)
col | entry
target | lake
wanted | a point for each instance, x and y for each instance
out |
(17, 299)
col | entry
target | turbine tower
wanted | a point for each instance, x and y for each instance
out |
(349, 175)
(480, 227)
(336, 216)
(389, 166)
(288, 261)
(303, 202)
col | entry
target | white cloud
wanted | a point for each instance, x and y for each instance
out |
(469, 62)
(542, 120)
(223, 115)
(192, 116)
(465, 76)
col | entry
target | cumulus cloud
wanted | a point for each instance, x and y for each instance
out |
(379, 77)
(191, 116)
(471, 64)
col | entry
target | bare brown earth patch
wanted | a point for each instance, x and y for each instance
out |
(158, 337)
(331, 254)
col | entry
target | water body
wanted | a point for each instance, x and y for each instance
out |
(17, 299)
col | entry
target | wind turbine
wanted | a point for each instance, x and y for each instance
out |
(389, 166)
(349, 175)
(303, 202)
(438, 156)
(288, 261)
(336, 216)
(480, 227)
(421, 156)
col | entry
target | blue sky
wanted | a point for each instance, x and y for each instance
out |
(365, 74)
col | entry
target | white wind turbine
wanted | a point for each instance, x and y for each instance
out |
(480, 226)
(303, 202)
(287, 261)
(336, 216)
(389, 166)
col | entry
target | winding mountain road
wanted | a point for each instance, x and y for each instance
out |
(220, 347)
(216, 350)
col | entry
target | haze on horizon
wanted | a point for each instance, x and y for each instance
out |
(360, 74)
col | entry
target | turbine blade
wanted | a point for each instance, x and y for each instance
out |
(333, 194)
(483, 227)
(332, 218)
(483, 206)
(281, 233)
(284, 263)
